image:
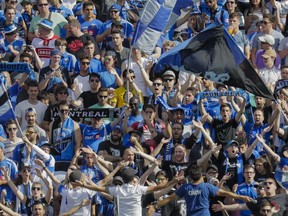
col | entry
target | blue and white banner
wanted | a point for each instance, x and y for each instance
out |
(21, 67)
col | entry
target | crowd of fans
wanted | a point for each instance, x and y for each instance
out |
(167, 153)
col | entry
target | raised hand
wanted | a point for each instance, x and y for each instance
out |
(218, 207)
(260, 138)
(39, 162)
(197, 124)
(165, 141)
(4, 172)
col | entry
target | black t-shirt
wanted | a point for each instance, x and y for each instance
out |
(75, 45)
(89, 98)
(120, 56)
(224, 132)
(29, 203)
(231, 164)
(52, 113)
(281, 199)
(111, 149)
(172, 168)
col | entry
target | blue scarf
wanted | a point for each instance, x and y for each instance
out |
(239, 166)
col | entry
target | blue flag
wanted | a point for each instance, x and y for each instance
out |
(214, 55)
(6, 111)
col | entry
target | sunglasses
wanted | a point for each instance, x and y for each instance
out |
(212, 173)
(36, 188)
(64, 110)
(114, 11)
(157, 84)
(29, 132)
(168, 80)
(85, 63)
(41, 5)
(102, 96)
(265, 22)
(61, 93)
(12, 129)
(268, 183)
(95, 80)
(26, 170)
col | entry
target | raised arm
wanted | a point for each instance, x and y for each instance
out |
(74, 209)
(241, 111)
(249, 151)
(8, 210)
(162, 186)
(13, 187)
(275, 156)
(49, 193)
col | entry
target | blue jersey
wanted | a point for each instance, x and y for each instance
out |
(92, 137)
(197, 197)
(95, 66)
(93, 173)
(16, 44)
(20, 154)
(92, 27)
(64, 11)
(247, 190)
(127, 28)
(68, 61)
(12, 171)
(220, 14)
(108, 80)
(27, 18)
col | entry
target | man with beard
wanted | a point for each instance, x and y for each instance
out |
(96, 133)
(112, 150)
(30, 118)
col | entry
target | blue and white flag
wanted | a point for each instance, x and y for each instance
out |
(157, 18)
(6, 111)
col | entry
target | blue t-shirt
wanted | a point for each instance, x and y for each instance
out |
(197, 197)
(91, 27)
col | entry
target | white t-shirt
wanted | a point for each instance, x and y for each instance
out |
(20, 111)
(129, 199)
(9, 147)
(73, 197)
(82, 84)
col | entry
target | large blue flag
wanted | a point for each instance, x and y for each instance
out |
(6, 111)
(214, 55)
(157, 18)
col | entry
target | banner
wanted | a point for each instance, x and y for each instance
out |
(21, 67)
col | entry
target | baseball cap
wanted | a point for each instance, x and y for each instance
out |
(75, 176)
(269, 53)
(267, 39)
(118, 180)
(117, 127)
(10, 28)
(212, 166)
(31, 109)
(26, 2)
(115, 7)
(231, 142)
(55, 52)
(169, 73)
(23, 165)
(45, 23)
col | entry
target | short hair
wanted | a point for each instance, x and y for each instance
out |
(38, 203)
(91, 75)
(60, 41)
(268, 16)
(102, 89)
(60, 88)
(284, 67)
(195, 173)
(249, 166)
(63, 103)
(158, 78)
(151, 106)
(87, 4)
(124, 74)
(33, 83)
(117, 32)
(225, 105)
(89, 42)
(11, 121)
(182, 126)
(234, 15)
(84, 57)
(74, 23)
(26, 55)
(9, 8)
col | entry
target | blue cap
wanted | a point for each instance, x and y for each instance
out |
(53, 81)
(9, 28)
(55, 52)
(231, 142)
(116, 7)
(2, 145)
(117, 127)
(45, 23)
(44, 142)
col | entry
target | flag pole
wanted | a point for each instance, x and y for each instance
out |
(10, 105)
(127, 80)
